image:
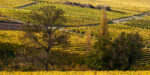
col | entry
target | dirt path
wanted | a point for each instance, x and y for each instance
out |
(30, 4)
(10, 26)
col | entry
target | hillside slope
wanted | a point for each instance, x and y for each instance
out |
(136, 5)
(13, 3)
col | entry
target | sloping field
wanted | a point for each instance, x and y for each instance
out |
(13, 3)
(82, 16)
(141, 23)
(75, 15)
(130, 5)
(138, 3)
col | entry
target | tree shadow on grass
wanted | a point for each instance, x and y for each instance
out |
(7, 54)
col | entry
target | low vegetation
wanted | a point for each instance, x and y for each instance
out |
(88, 5)
(141, 23)
(45, 44)
(13, 3)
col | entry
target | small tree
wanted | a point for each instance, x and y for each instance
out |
(126, 49)
(102, 47)
(103, 24)
(44, 31)
(103, 44)
(119, 54)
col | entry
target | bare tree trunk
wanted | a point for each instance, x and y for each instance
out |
(47, 61)
(48, 48)
(46, 67)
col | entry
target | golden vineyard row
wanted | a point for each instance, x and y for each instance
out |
(78, 73)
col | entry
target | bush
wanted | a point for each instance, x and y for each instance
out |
(126, 49)
(93, 61)
(79, 4)
(88, 6)
(119, 54)
(101, 6)
(98, 60)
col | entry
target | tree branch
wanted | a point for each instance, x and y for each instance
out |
(36, 40)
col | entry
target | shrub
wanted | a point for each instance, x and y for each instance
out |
(119, 54)
(93, 61)
(101, 6)
(126, 49)
(79, 4)
(7, 54)
(99, 59)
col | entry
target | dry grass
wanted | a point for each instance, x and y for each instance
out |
(78, 73)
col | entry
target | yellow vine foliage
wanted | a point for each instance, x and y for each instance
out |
(103, 24)
(78, 73)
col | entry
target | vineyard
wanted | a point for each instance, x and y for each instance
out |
(144, 23)
(75, 15)
(76, 37)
